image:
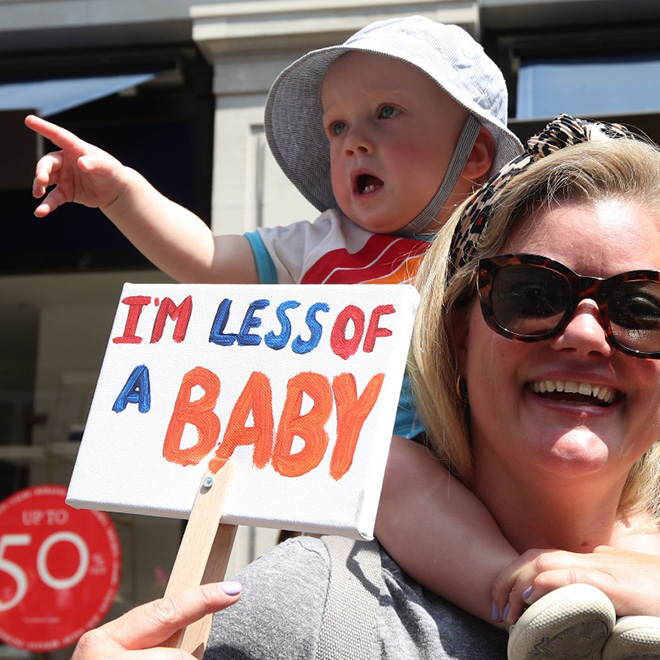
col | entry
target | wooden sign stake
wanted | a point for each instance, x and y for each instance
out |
(203, 554)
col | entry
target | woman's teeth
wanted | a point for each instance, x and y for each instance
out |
(603, 393)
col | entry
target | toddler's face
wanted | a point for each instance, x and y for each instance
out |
(392, 133)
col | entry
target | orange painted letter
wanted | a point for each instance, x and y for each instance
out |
(199, 413)
(351, 414)
(310, 426)
(257, 396)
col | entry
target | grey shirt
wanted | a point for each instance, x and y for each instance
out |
(279, 614)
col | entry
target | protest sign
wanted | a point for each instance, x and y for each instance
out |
(296, 384)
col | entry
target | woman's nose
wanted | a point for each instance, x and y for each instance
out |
(585, 331)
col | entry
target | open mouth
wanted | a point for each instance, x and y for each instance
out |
(367, 183)
(574, 392)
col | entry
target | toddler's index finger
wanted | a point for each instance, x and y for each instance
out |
(56, 134)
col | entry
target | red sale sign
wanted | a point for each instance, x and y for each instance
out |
(59, 569)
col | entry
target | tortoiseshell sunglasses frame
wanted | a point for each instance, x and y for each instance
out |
(582, 286)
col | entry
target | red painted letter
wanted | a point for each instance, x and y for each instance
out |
(136, 304)
(341, 346)
(373, 330)
(181, 313)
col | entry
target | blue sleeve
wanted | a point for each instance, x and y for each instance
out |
(265, 267)
(407, 423)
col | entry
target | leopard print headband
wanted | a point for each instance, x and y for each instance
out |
(561, 132)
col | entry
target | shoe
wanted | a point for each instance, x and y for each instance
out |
(634, 638)
(569, 623)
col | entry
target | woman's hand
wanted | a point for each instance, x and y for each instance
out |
(80, 171)
(630, 579)
(138, 633)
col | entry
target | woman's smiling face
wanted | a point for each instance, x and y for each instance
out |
(521, 422)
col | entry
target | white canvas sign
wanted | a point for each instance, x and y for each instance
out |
(296, 384)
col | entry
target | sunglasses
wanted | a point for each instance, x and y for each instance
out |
(526, 297)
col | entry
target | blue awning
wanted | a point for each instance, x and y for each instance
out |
(588, 86)
(48, 97)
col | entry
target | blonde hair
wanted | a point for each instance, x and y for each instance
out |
(622, 169)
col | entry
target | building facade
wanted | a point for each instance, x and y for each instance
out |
(176, 89)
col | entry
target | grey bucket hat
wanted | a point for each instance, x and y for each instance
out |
(446, 53)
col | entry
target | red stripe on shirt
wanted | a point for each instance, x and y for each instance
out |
(383, 258)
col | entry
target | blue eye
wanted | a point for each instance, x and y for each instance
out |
(338, 127)
(388, 111)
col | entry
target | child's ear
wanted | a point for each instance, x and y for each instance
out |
(481, 157)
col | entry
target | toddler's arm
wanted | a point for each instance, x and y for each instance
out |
(628, 571)
(173, 238)
(439, 532)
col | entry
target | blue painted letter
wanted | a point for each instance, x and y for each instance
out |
(276, 342)
(136, 390)
(300, 345)
(251, 321)
(217, 335)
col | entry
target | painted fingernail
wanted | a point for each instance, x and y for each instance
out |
(231, 588)
(527, 593)
(494, 612)
(505, 612)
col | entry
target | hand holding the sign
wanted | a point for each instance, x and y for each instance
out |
(144, 631)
